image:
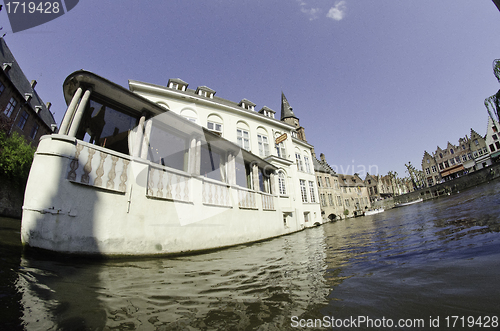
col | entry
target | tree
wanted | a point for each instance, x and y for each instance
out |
(16, 156)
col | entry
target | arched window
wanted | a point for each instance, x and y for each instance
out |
(263, 142)
(214, 124)
(243, 135)
(189, 114)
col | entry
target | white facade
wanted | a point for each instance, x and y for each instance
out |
(256, 132)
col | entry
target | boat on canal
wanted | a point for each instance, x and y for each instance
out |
(127, 176)
(408, 203)
(374, 211)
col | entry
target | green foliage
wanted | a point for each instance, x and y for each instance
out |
(346, 212)
(16, 156)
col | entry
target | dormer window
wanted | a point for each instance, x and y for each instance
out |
(206, 92)
(294, 134)
(268, 112)
(247, 104)
(28, 96)
(177, 84)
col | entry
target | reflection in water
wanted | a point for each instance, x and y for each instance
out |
(437, 258)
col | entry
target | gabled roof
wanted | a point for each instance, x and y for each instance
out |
(23, 85)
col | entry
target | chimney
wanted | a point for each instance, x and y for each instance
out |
(33, 84)
(322, 156)
(48, 104)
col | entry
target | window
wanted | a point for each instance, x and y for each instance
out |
(263, 145)
(497, 144)
(306, 217)
(492, 148)
(300, 165)
(441, 155)
(464, 158)
(476, 142)
(485, 151)
(446, 164)
(10, 107)
(451, 151)
(243, 138)
(264, 182)
(308, 165)
(328, 182)
(346, 201)
(215, 127)
(311, 191)
(34, 131)
(336, 183)
(495, 137)
(320, 182)
(428, 161)
(469, 156)
(280, 150)
(281, 183)
(212, 163)
(457, 159)
(303, 190)
(23, 119)
(330, 199)
(427, 171)
(434, 169)
(2, 88)
(322, 200)
(339, 201)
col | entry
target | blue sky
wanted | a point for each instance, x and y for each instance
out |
(374, 82)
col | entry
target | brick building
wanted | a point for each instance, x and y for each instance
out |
(21, 108)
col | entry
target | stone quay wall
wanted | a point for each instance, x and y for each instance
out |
(11, 198)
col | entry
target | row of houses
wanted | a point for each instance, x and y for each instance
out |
(471, 153)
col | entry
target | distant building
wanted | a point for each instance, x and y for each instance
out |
(493, 139)
(470, 154)
(355, 194)
(330, 193)
(21, 108)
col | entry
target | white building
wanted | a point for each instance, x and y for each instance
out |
(279, 142)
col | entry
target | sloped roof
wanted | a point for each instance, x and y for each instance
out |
(23, 85)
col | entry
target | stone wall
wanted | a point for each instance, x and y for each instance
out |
(384, 203)
(11, 198)
(453, 186)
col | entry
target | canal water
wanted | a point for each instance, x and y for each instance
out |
(431, 265)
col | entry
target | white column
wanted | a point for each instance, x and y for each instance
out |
(146, 138)
(255, 175)
(75, 124)
(70, 112)
(196, 170)
(139, 136)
